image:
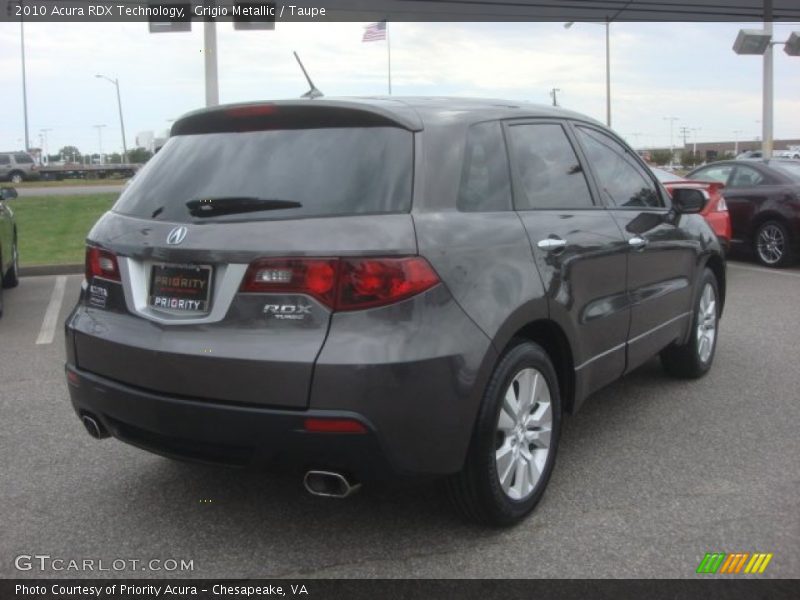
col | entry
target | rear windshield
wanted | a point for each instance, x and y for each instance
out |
(791, 169)
(277, 174)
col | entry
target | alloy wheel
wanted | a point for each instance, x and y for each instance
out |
(524, 429)
(770, 244)
(706, 322)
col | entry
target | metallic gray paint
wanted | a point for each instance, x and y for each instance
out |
(415, 370)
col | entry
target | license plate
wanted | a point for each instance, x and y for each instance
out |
(181, 288)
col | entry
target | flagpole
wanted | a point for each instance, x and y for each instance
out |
(389, 56)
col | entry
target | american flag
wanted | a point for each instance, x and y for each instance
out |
(374, 32)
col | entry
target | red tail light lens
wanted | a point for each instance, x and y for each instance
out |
(101, 263)
(369, 282)
(343, 284)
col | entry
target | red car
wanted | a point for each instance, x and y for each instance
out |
(715, 212)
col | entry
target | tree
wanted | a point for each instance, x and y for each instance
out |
(690, 159)
(139, 155)
(661, 157)
(115, 158)
(70, 154)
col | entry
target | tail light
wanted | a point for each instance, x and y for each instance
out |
(343, 283)
(334, 426)
(722, 206)
(101, 263)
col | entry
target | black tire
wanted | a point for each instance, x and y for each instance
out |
(689, 361)
(11, 278)
(772, 245)
(16, 177)
(476, 492)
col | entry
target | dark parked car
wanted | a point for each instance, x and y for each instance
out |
(763, 199)
(386, 288)
(9, 257)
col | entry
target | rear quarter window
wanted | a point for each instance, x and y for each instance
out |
(485, 180)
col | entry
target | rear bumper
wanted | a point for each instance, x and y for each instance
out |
(227, 434)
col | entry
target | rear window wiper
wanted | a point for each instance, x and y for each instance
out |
(215, 207)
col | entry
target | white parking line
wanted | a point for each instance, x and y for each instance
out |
(762, 270)
(48, 330)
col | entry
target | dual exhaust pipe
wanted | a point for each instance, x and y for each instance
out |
(94, 427)
(327, 484)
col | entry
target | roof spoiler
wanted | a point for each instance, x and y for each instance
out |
(295, 114)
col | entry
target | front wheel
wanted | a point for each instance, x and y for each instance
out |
(514, 444)
(773, 244)
(16, 177)
(693, 359)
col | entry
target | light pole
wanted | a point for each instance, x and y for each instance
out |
(44, 145)
(121, 122)
(100, 140)
(553, 94)
(671, 139)
(608, 67)
(736, 133)
(694, 139)
(24, 83)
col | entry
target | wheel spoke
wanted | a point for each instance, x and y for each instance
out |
(520, 478)
(504, 473)
(510, 404)
(539, 437)
(542, 415)
(527, 381)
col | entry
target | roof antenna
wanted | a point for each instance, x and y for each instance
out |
(313, 92)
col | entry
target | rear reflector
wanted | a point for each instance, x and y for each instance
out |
(101, 263)
(334, 426)
(343, 283)
(73, 379)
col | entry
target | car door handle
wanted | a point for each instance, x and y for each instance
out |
(637, 242)
(551, 243)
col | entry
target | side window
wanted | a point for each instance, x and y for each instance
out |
(548, 168)
(718, 173)
(485, 183)
(22, 159)
(622, 181)
(4, 159)
(746, 177)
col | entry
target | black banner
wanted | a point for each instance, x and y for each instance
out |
(461, 589)
(180, 11)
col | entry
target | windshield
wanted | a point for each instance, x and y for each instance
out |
(278, 174)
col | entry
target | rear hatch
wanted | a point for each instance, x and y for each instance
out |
(211, 276)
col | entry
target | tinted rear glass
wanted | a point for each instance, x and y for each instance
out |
(327, 171)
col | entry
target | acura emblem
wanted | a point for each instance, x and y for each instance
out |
(176, 236)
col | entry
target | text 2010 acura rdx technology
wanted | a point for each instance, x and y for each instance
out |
(380, 288)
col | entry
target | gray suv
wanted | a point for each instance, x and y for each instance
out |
(376, 289)
(17, 167)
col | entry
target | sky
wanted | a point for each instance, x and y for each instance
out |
(658, 70)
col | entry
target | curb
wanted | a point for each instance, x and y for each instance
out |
(51, 270)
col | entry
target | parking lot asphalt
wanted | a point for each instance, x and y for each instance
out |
(652, 473)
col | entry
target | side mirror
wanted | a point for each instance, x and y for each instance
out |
(687, 201)
(8, 193)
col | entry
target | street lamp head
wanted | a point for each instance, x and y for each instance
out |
(792, 45)
(752, 41)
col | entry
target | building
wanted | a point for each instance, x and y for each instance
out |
(712, 150)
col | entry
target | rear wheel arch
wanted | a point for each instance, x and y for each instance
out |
(551, 337)
(717, 266)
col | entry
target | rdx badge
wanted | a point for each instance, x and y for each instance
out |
(287, 311)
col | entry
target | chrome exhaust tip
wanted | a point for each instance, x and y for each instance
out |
(329, 484)
(93, 427)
